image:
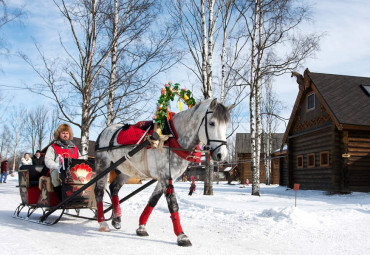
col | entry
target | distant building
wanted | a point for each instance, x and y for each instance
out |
(243, 151)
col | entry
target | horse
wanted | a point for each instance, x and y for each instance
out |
(205, 123)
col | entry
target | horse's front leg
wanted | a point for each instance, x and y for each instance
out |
(182, 239)
(114, 188)
(153, 200)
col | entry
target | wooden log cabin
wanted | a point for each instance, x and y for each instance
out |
(243, 151)
(328, 135)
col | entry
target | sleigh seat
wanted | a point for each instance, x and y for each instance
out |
(31, 188)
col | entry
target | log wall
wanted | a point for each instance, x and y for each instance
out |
(359, 162)
(317, 177)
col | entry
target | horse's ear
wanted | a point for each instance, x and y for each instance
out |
(230, 107)
(213, 104)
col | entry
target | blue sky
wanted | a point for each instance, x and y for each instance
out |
(345, 49)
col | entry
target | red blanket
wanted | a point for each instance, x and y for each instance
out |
(132, 134)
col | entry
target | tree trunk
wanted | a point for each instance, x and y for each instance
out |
(255, 174)
(204, 50)
(258, 98)
(85, 124)
(210, 47)
(208, 180)
(269, 134)
(208, 185)
(18, 130)
(112, 78)
(223, 65)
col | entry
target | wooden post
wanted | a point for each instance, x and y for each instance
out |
(296, 188)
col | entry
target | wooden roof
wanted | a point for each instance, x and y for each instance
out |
(243, 142)
(341, 95)
(346, 99)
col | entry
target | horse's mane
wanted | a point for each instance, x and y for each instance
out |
(221, 113)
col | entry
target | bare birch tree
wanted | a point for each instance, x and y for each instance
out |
(5, 140)
(41, 120)
(276, 48)
(16, 120)
(141, 52)
(79, 95)
(200, 27)
(29, 129)
(271, 109)
(53, 123)
(232, 52)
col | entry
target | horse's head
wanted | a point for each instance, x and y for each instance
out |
(212, 130)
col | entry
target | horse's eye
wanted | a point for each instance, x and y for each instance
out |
(212, 124)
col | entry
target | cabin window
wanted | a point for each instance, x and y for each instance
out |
(366, 89)
(300, 161)
(311, 102)
(324, 158)
(311, 160)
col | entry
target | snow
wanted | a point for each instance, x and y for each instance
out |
(230, 222)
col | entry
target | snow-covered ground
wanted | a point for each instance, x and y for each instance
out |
(230, 222)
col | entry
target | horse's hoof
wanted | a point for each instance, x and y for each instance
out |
(183, 240)
(141, 231)
(116, 222)
(104, 227)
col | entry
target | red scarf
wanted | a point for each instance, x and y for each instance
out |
(66, 153)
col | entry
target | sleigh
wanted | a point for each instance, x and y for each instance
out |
(77, 177)
(39, 195)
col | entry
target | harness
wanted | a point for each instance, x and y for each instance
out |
(222, 142)
(174, 145)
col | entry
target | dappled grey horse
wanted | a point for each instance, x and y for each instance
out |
(204, 123)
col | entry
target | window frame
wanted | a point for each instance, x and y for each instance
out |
(366, 89)
(300, 157)
(328, 158)
(308, 160)
(314, 102)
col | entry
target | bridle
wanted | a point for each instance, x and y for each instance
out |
(222, 142)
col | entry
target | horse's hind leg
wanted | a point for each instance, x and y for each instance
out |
(156, 195)
(114, 188)
(182, 239)
(100, 165)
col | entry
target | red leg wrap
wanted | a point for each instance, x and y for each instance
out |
(116, 207)
(176, 223)
(101, 217)
(145, 215)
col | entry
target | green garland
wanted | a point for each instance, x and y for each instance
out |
(168, 93)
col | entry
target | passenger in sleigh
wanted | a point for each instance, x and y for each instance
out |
(26, 164)
(62, 147)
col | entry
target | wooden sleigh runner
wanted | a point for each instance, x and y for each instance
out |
(77, 178)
